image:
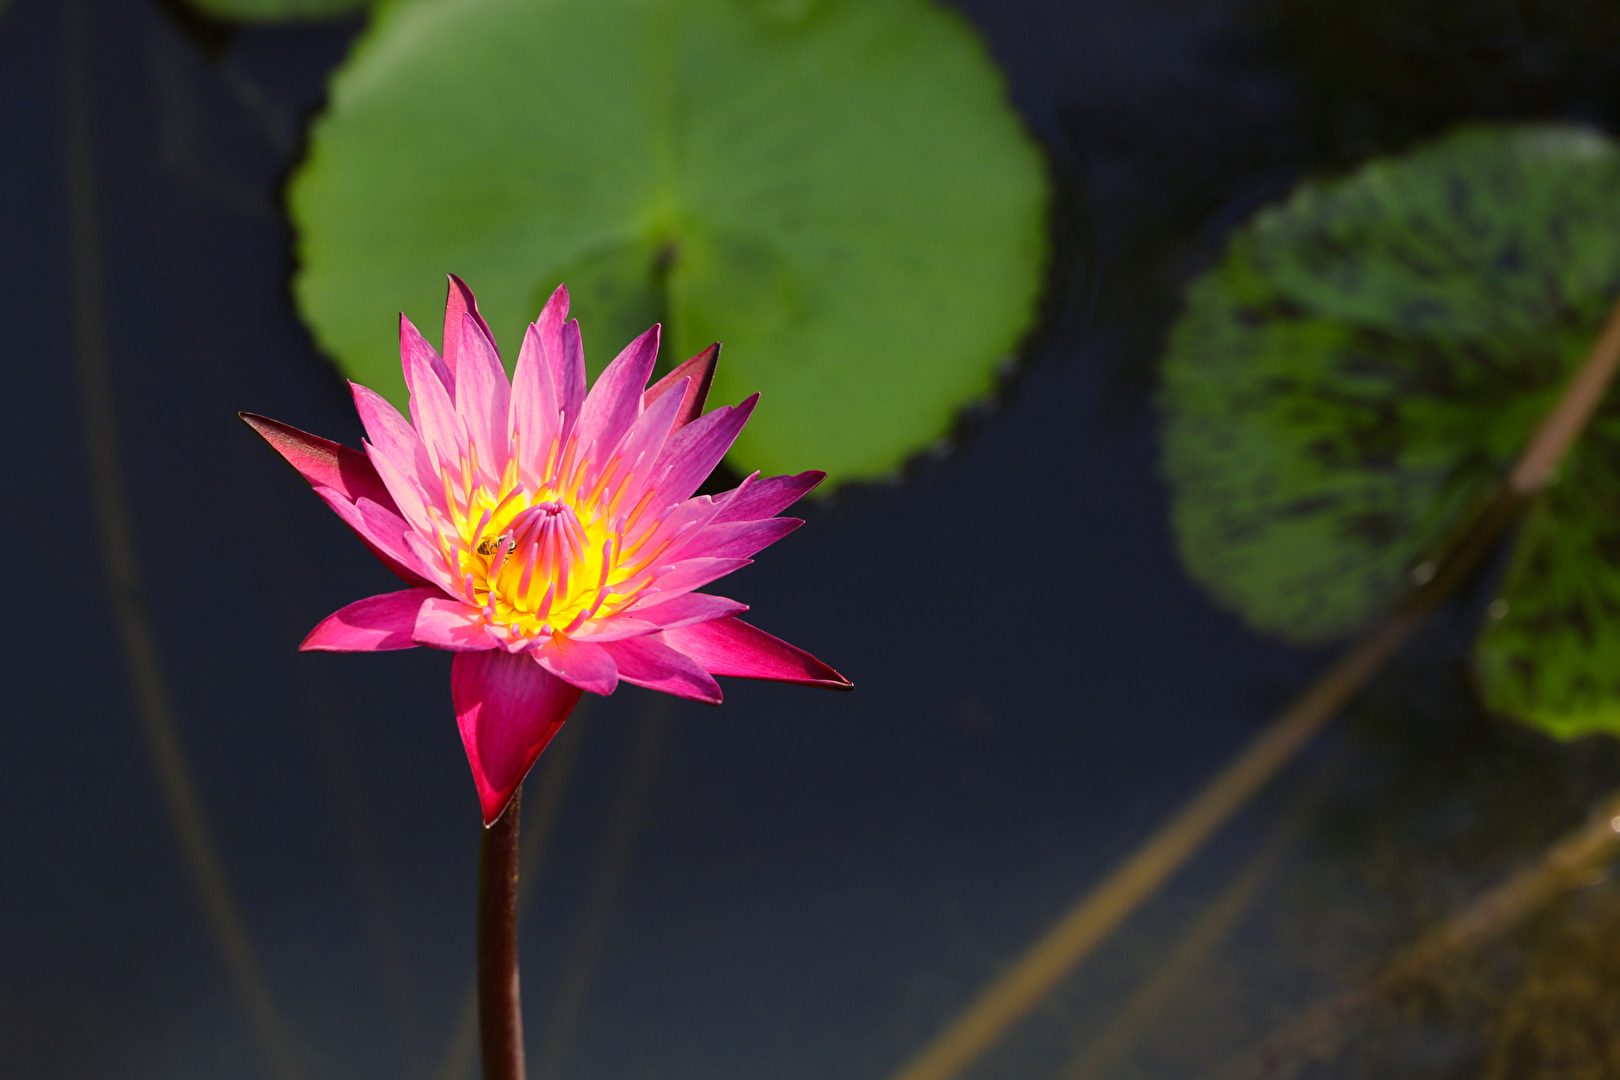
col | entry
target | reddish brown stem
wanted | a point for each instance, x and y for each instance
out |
(500, 1009)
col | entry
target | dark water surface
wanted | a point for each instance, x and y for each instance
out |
(796, 885)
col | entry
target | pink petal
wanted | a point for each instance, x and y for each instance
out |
(340, 476)
(680, 525)
(615, 400)
(433, 563)
(562, 359)
(700, 369)
(738, 539)
(375, 624)
(549, 328)
(416, 356)
(321, 461)
(482, 400)
(433, 412)
(445, 623)
(568, 374)
(459, 305)
(689, 574)
(732, 647)
(381, 529)
(613, 628)
(692, 452)
(641, 446)
(686, 609)
(769, 497)
(534, 407)
(395, 451)
(583, 663)
(647, 661)
(508, 709)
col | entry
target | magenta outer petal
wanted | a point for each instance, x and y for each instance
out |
(322, 461)
(508, 708)
(483, 399)
(687, 609)
(732, 647)
(646, 437)
(568, 373)
(459, 305)
(647, 661)
(396, 452)
(446, 623)
(738, 539)
(549, 328)
(700, 369)
(563, 359)
(433, 412)
(587, 665)
(769, 497)
(534, 405)
(692, 452)
(347, 473)
(614, 628)
(382, 530)
(615, 400)
(375, 624)
(417, 355)
(689, 574)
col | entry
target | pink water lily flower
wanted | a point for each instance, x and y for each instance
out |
(550, 536)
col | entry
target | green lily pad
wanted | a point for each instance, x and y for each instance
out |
(1550, 650)
(278, 10)
(1365, 363)
(836, 190)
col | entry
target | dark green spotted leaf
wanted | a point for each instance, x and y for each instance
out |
(837, 190)
(1364, 363)
(1550, 650)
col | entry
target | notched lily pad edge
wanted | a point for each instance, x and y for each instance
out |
(1062, 285)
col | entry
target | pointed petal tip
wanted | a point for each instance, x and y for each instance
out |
(507, 709)
(493, 804)
(699, 375)
(730, 646)
(379, 623)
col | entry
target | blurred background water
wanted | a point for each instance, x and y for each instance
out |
(794, 885)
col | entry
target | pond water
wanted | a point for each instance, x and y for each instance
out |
(796, 885)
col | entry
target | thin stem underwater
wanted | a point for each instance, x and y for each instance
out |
(1053, 956)
(1320, 1031)
(500, 1009)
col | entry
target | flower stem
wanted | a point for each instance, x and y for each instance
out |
(500, 1010)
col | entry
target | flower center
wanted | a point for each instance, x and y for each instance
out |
(544, 570)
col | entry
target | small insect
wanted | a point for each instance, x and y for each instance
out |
(492, 544)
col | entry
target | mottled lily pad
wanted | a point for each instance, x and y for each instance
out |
(1550, 651)
(838, 191)
(1366, 361)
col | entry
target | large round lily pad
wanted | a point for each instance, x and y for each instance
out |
(1362, 366)
(837, 190)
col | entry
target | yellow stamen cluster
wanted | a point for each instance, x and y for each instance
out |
(543, 561)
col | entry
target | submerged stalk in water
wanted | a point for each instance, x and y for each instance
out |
(1053, 956)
